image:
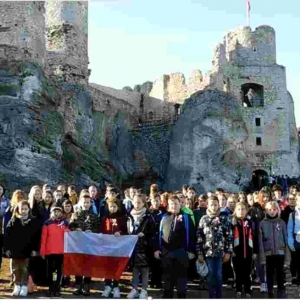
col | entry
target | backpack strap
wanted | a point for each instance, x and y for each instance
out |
(187, 229)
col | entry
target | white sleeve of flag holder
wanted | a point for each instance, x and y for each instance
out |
(99, 244)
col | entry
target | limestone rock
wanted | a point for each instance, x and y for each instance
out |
(206, 149)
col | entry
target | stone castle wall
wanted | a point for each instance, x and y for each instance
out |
(67, 39)
(22, 31)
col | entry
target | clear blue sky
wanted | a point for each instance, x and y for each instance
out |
(132, 41)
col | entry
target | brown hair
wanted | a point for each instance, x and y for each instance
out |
(173, 198)
(17, 209)
(153, 189)
(213, 198)
(142, 197)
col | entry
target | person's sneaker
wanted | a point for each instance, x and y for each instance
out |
(133, 294)
(16, 290)
(24, 291)
(143, 294)
(238, 295)
(263, 288)
(248, 296)
(116, 292)
(106, 292)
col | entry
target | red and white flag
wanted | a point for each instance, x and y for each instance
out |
(97, 255)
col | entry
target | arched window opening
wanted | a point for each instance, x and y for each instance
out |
(150, 116)
(252, 95)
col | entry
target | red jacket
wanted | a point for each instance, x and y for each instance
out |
(110, 225)
(53, 237)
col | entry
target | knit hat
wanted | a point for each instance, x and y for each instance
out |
(56, 208)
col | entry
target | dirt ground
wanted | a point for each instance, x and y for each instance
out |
(97, 288)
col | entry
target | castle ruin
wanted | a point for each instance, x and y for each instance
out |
(52, 117)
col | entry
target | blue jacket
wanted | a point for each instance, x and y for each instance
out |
(6, 218)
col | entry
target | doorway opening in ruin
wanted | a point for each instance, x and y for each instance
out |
(252, 95)
(260, 178)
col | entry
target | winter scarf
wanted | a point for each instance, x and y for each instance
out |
(212, 214)
(137, 216)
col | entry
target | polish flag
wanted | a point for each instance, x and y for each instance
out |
(97, 255)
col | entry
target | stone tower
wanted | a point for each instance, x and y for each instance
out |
(247, 66)
(67, 40)
(22, 31)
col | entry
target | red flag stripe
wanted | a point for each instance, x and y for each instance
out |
(108, 267)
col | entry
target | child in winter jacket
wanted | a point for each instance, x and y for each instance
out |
(21, 241)
(273, 247)
(114, 222)
(141, 222)
(245, 248)
(214, 244)
(293, 229)
(257, 214)
(52, 248)
(156, 268)
(45, 206)
(84, 220)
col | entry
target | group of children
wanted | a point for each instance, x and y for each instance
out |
(248, 234)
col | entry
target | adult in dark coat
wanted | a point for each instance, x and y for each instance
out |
(175, 247)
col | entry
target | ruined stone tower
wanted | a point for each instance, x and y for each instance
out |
(67, 39)
(22, 32)
(247, 68)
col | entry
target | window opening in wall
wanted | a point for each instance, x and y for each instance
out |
(252, 95)
(258, 141)
(257, 122)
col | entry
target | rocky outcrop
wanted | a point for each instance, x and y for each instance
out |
(206, 148)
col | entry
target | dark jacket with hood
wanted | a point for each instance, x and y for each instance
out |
(22, 236)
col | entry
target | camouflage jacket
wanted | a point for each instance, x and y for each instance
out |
(85, 220)
(214, 236)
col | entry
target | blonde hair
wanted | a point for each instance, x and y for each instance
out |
(273, 204)
(31, 194)
(239, 204)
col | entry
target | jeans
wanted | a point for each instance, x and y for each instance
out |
(136, 277)
(110, 282)
(260, 271)
(214, 265)
(19, 270)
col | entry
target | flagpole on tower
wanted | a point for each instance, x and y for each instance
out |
(248, 12)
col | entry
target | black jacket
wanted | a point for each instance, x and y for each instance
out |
(143, 248)
(256, 213)
(245, 239)
(22, 237)
(180, 237)
(285, 214)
